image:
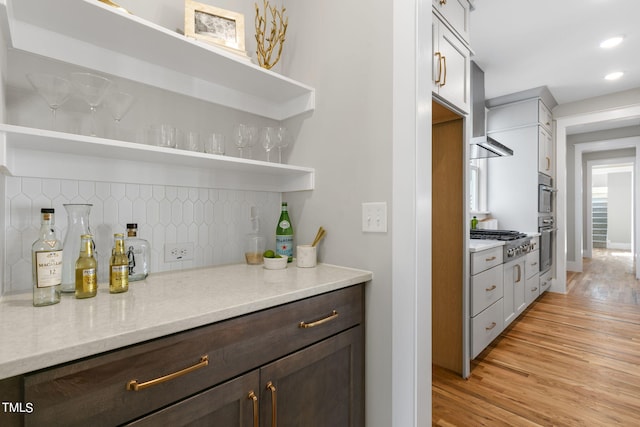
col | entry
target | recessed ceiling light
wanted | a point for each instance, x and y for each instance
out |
(612, 42)
(614, 76)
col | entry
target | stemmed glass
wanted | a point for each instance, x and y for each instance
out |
(53, 89)
(282, 141)
(118, 104)
(268, 138)
(240, 137)
(92, 88)
(252, 133)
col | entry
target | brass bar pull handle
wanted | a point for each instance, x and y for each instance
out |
(305, 325)
(274, 404)
(490, 259)
(493, 325)
(443, 1)
(439, 67)
(519, 273)
(256, 413)
(491, 288)
(548, 163)
(444, 79)
(534, 289)
(134, 385)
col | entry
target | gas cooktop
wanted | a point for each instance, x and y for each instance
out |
(503, 235)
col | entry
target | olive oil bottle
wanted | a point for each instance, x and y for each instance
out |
(86, 269)
(118, 266)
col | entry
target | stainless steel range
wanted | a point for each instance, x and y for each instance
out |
(516, 244)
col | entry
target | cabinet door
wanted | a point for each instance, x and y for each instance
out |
(319, 386)
(451, 66)
(545, 152)
(456, 13)
(232, 404)
(544, 116)
(514, 290)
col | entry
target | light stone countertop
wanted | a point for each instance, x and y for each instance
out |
(477, 245)
(33, 338)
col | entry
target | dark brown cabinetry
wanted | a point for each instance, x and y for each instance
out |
(303, 359)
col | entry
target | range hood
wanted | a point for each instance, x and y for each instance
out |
(482, 145)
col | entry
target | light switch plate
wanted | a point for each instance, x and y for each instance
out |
(374, 217)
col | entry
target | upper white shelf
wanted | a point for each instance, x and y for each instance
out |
(90, 34)
(29, 152)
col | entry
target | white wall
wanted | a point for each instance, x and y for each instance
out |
(619, 210)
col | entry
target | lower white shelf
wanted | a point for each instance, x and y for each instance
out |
(29, 152)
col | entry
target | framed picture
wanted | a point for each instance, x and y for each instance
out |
(214, 25)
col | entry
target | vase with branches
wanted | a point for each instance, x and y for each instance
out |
(270, 39)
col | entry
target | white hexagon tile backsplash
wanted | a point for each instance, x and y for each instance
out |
(215, 221)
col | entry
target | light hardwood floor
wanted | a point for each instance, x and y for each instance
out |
(569, 360)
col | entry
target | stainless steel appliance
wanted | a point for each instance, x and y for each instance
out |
(545, 194)
(516, 244)
(547, 230)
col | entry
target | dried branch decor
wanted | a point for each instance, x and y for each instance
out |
(275, 39)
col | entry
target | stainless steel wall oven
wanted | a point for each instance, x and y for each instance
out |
(545, 194)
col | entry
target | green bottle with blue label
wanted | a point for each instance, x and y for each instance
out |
(284, 234)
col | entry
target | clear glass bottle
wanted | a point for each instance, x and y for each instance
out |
(77, 225)
(46, 255)
(284, 234)
(118, 266)
(254, 242)
(138, 254)
(86, 269)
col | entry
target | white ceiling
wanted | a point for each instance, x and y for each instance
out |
(524, 44)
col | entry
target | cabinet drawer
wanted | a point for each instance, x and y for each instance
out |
(485, 327)
(532, 266)
(545, 282)
(97, 390)
(484, 260)
(532, 289)
(486, 288)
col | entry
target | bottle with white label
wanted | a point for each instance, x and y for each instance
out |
(46, 254)
(138, 254)
(284, 234)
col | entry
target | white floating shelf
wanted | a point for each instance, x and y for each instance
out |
(28, 152)
(90, 34)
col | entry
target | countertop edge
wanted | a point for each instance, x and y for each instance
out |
(33, 362)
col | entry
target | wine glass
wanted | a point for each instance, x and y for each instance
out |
(53, 89)
(282, 141)
(118, 104)
(252, 138)
(268, 138)
(93, 89)
(240, 137)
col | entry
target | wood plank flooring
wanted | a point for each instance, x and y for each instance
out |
(569, 360)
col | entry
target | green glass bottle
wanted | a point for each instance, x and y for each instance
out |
(284, 234)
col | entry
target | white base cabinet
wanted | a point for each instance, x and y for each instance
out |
(514, 290)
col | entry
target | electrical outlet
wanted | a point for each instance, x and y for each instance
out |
(178, 252)
(374, 217)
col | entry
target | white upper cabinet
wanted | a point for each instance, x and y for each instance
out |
(450, 67)
(456, 13)
(522, 113)
(90, 34)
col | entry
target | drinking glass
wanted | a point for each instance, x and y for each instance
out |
(268, 138)
(252, 138)
(282, 141)
(92, 89)
(118, 104)
(190, 140)
(240, 137)
(215, 144)
(53, 89)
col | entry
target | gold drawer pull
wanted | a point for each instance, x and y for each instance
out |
(274, 404)
(493, 325)
(256, 413)
(491, 288)
(305, 325)
(490, 259)
(534, 289)
(135, 386)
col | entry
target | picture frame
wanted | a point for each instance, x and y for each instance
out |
(214, 25)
